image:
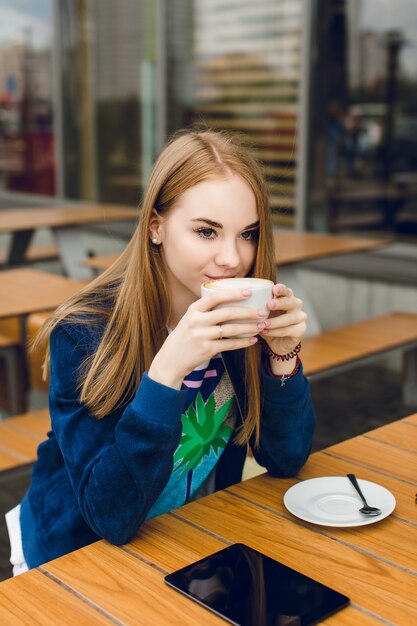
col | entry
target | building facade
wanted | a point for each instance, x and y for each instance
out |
(323, 92)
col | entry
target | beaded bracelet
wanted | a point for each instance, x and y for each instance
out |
(279, 357)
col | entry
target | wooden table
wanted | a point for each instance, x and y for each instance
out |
(292, 248)
(24, 291)
(376, 565)
(65, 223)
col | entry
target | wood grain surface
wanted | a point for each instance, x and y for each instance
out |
(345, 344)
(376, 565)
(13, 220)
(26, 290)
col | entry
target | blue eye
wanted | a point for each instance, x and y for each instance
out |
(206, 233)
(250, 235)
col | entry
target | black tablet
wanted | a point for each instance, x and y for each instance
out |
(248, 588)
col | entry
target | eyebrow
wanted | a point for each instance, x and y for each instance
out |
(218, 225)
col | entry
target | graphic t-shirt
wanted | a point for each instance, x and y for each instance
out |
(207, 425)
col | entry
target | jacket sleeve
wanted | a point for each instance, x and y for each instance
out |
(118, 465)
(287, 424)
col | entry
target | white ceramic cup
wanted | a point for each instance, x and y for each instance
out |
(261, 293)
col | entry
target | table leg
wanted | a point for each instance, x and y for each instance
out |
(290, 277)
(18, 247)
(72, 252)
(410, 377)
(17, 388)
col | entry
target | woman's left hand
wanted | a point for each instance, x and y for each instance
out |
(286, 324)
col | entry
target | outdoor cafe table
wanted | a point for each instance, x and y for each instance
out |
(24, 291)
(375, 565)
(292, 248)
(65, 223)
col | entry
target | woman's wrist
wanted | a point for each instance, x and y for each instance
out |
(282, 368)
(279, 358)
(164, 376)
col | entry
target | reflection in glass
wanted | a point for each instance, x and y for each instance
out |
(364, 115)
(26, 124)
(235, 66)
(108, 83)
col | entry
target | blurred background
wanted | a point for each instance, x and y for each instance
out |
(324, 92)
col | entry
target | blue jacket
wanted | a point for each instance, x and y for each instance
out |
(99, 478)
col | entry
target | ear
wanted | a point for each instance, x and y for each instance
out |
(155, 226)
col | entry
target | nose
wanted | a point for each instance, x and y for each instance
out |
(228, 254)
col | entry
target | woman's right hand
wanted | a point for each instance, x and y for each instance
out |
(203, 332)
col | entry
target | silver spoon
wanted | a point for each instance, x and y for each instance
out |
(366, 509)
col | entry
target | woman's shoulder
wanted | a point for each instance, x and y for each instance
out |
(83, 331)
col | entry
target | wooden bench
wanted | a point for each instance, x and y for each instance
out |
(35, 357)
(325, 354)
(14, 376)
(20, 437)
(11, 374)
(338, 349)
(40, 252)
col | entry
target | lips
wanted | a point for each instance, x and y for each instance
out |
(220, 277)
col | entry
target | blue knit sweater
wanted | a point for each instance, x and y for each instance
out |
(99, 478)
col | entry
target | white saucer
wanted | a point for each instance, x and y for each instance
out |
(333, 501)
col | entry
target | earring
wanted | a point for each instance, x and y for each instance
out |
(155, 240)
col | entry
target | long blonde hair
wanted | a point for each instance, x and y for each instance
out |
(131, 299)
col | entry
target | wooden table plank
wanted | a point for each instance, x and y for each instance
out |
(294, 246)
(374, 565)
(32, 598)
(339, 346)
(412, 419)
(9, 460)
(22, 445)
(321, 464)
(128, 588)
(170, 543)
(381, 456)
(14, 220)
(375, 585)
(100, 263)
(379, 539)
(350, 616)
(24, 291)
(400, 433)
(34, 425)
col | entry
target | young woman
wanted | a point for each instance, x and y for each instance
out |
(153, 401)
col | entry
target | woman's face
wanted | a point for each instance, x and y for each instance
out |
(211, 232)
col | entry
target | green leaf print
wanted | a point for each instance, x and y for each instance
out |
(203, 430)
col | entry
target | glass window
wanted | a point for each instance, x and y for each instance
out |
(26, 111)
(235, 65)
(363, 149)
(108, 97)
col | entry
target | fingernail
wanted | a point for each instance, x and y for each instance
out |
(262, 313)
(261, 325)
(267, 323)
(246, 292)
(265, 331)
(253, 340)
(273, 304)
